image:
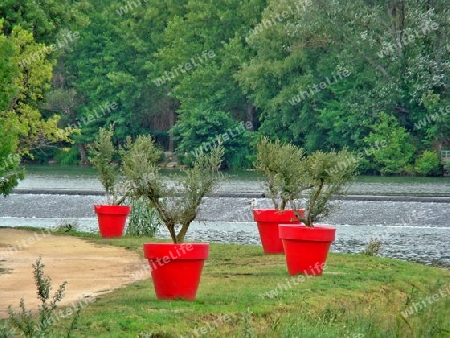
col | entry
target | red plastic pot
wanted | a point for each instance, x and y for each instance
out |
(111, 219)
(267, 221)
(176, 268)
(306, 248)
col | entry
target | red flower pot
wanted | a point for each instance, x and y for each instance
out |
(176, 268)
(267, 221)
(111, 219)
(306, 248)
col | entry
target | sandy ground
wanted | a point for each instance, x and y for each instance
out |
(90, 269)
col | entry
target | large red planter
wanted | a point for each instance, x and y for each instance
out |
(267, 221)
(306, 248)
(111, 219)
(176, 268)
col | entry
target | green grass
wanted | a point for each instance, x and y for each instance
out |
(357, 296)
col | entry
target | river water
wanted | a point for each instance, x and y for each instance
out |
(412, 230)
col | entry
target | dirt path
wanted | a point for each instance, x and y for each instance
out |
(90, 269)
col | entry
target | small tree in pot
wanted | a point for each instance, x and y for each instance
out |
(327, 175)
(281, 165)
(112, 216)
(175, 268)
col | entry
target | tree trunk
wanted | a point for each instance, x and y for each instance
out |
(251, 116)
(171, 123)
(82, 150)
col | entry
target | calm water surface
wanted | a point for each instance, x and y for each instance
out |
(84, 178)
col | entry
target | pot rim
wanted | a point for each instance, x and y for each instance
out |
(275, 215)
(175, 251)
(317, 233)
(112, 209)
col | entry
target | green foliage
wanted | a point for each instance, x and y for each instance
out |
(67, 156)
(9, 135)
(102, 156)
(44, 19)
(372, 248)
(398, 152)
(293, 57)
(428, 164)
(278, 64)
(201, 28)
(291, 176)
(139, 162)
(22, 127)
(24, 321)
(10, 173)
(327, 173)
(114, 62)
(143, 219)
(282, 167)
(144, 180)
(197, 131)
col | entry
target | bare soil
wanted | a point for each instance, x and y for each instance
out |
(90, 269)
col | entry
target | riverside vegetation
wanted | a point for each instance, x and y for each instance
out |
(269, 52)
(245, 294)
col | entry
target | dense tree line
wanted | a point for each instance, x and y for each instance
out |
(322, 74)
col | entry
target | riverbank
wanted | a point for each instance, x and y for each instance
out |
(244, 292)
(414, 231)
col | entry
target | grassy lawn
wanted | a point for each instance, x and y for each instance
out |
(244, 293)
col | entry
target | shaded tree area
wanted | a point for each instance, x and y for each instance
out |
(26, 66)
(397, 57)
(326, 74)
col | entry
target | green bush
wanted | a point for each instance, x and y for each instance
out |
(42, 155)
(143, 219)
(67, 155)
(197, 131)
(428, 164)
(10, 171)
(389, 145)
(23, 320)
